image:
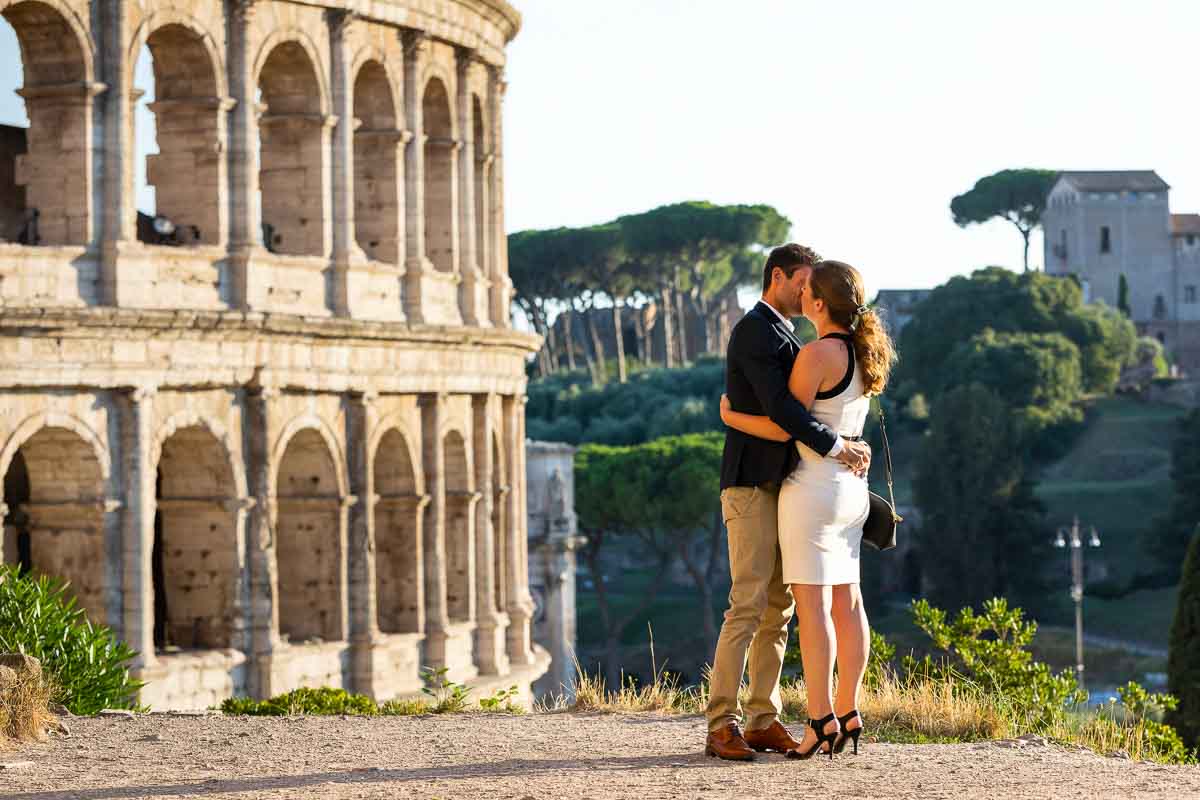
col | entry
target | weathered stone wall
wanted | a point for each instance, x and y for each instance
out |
(271, 463)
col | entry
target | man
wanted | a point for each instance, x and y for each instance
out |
(762, 349)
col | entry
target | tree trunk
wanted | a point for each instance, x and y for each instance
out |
(1025, 232)
(588, 356)
(597, 344)
(668, 326)
(681, 320)
(620, 340)
(703, 580)
(643, 339)
(569, 337)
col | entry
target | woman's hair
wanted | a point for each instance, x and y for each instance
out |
(841, 287)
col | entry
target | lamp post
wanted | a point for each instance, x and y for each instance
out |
(1071, 536)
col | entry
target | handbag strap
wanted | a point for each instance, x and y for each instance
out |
(887, 463)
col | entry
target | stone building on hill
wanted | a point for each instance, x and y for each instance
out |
(1105, 226)
(287, 449)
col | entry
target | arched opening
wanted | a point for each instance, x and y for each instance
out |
(179, 139)
(294, 141)
(482, 201)
(439, 176)
(45, 168)
(54, 491)
(378, 198)
(195, 545)
(458, 529)
(500, 491)
(397, 537)
(308, 541)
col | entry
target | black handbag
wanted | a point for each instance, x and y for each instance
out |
(879, 530)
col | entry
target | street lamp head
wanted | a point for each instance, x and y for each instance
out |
(1095, 540)
(1059, 541)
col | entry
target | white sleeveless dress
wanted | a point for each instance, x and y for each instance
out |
(822, 504)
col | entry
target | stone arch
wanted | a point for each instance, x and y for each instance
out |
(378, 184)
(190, 419)
(399, 420)
(294, 145)
(309, 543)
(500, 490)
(322, 429)
(53, 168)
(189, 108)
(55, 419)
(54, 488)
(459, 545)
(440, 153)
(195, 558)
(398, 569)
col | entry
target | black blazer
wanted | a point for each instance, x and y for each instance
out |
(757, 365)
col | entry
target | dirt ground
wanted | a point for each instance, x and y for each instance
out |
(551, 756)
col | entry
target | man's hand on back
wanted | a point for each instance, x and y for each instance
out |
(856, 456)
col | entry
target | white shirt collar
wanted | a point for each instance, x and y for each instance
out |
(791, 326)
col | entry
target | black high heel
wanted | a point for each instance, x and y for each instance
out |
(818, 727)
(848, 734)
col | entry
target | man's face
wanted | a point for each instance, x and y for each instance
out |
(793, 291)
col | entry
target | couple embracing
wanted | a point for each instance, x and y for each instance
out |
(794, 498)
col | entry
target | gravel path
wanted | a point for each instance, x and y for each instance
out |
(552, 756)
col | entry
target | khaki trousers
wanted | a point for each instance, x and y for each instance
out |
(760, 607)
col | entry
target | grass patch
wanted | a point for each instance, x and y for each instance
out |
(446, 698)
(901, 710)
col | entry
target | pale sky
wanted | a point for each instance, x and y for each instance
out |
(858, 120)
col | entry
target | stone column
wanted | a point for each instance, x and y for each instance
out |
(473, 284)
(433, 457)
(520, 603)
(262, 608)
(117, 208)
(245, 228)
(137, 529)
(490, 645)
(416, 263)
(501, 285)
(364, 628)
(346, 251)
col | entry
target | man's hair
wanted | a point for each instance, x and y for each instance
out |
(789, 258)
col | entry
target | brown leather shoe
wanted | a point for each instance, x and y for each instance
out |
(728, 743)
(773, 737)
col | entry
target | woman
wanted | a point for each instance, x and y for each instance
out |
(823, 505)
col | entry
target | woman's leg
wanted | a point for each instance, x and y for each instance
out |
(817, 643)
(853, 647)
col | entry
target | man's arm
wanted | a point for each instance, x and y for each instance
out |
(754, 348)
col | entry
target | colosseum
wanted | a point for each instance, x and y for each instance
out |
(273, 435)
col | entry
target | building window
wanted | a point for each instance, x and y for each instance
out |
(1160, 307)
(1189, 294)
(1190, 239)
(1105, 240)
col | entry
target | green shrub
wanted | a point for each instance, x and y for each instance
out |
(448, 697)
(88, 665)
(990, 652)
(1183, 664)
(303, 701)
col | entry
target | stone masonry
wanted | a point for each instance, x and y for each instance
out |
(289, 452)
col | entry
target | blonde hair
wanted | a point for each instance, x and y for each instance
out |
(841, 287)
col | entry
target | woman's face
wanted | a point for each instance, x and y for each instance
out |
(810, 307)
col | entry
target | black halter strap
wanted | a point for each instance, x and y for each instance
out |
(844, 383)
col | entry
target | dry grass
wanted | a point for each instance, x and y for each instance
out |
(898, 710)
(24, 707)
(915, 711)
